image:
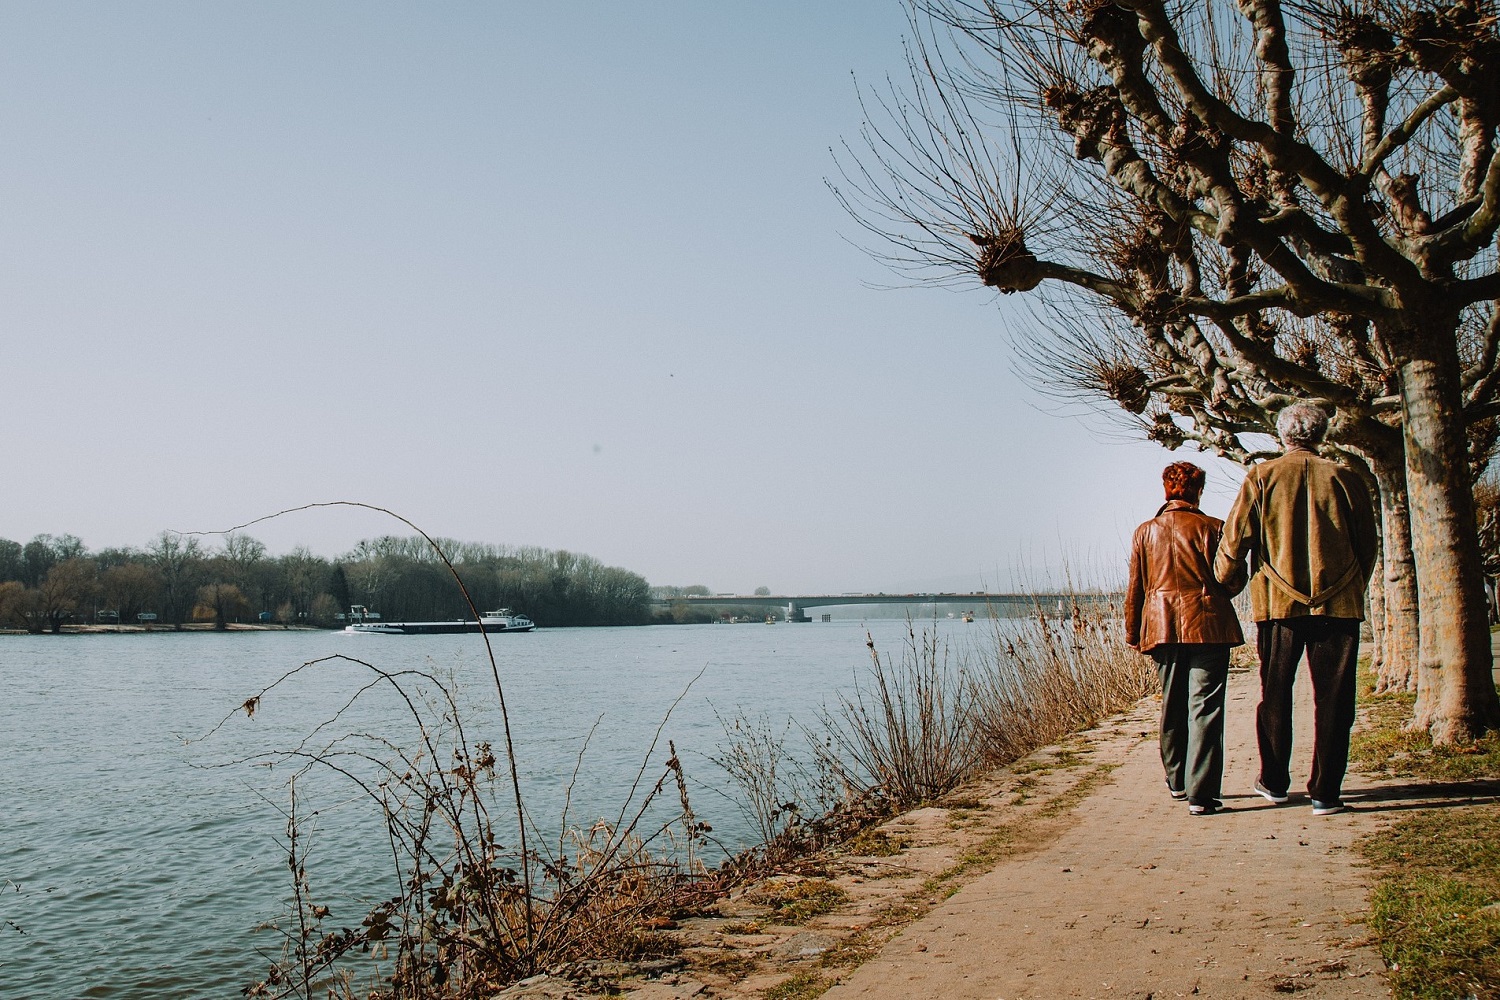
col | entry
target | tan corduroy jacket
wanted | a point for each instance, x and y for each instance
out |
(1307, 526)
(1172, 596)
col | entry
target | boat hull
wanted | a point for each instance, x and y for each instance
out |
(436, 628)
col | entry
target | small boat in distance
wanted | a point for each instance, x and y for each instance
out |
(363, 620)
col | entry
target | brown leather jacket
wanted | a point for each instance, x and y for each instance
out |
(1172, 596)
(1308, 528)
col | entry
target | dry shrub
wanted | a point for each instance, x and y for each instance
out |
(472, 912)
(905, 729)
(795, 790)
(1037, 679)
(918, 728)
(782, 781)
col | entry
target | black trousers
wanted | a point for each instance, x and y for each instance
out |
(1332, 647)
(1193, 679)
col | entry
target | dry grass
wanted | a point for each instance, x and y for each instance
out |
(1041, 679)
(905, 729)
(923, 724)
(471, 911)
(475, 911)
(877, 844)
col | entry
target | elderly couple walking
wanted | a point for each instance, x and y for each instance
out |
(1308, 529)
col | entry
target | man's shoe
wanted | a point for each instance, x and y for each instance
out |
(1176, 793)
(1327, 808)
(1269, 795)
(1194, 809)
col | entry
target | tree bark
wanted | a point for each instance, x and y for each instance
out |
(1396, 581)
(1377, 620)
(1457, 690)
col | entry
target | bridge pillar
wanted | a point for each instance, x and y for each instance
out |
(796, 614)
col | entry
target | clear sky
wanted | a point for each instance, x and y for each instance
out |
(556, 274)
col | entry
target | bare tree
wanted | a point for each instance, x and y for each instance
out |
(224, 601)
(177, 559)
(1280, 199)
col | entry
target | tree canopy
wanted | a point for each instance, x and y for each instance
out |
(1225, 208)
(49, 581)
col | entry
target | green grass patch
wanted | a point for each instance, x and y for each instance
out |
(798, 902)
(1436, 908)
(743, 927)
(1435, 911)
(802, 986)
(877, 844)
(732, 965)
(1384, 747)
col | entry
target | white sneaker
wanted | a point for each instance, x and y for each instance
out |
(1269, 795)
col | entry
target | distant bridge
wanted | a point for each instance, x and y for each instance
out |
(796, 605)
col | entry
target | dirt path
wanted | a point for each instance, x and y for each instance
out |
(1138, 899)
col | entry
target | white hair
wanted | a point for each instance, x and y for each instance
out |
(1302, 424)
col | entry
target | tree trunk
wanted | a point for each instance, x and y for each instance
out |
(1377, 621)
(1397, 580)
(1457, 689)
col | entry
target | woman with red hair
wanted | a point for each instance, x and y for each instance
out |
(1179, 614)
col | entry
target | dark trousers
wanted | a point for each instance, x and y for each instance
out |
(1332, 647)
(1193, 677)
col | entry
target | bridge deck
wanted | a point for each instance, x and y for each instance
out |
(972, 600)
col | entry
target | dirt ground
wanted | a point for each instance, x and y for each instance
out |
(1139, 899)
(1069, 874)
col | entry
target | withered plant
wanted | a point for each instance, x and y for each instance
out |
(471, 911)
(476, 905)
(904, 728)
(1034, 680)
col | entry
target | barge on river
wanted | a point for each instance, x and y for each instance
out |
(363, 620)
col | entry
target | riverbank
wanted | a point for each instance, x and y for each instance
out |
(1072, 874)
(159, 629)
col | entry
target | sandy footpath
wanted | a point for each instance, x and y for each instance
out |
(1139, 899)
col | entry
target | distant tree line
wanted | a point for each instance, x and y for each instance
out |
(680, 612)
(51, 581)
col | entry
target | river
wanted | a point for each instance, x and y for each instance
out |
(137, 857)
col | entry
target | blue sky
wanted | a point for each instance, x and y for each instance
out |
(540, 274)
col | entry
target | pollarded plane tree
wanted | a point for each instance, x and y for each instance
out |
(1178, 391)
(1169, 390)
(1229, 179)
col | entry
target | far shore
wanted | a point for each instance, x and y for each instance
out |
(188, 627)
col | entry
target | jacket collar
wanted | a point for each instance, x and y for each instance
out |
(1177, 505)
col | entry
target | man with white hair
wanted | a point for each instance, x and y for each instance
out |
(1308, 528)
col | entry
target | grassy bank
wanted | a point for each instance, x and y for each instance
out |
(1435, 911)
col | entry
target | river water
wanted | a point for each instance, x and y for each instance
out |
(138, 854)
